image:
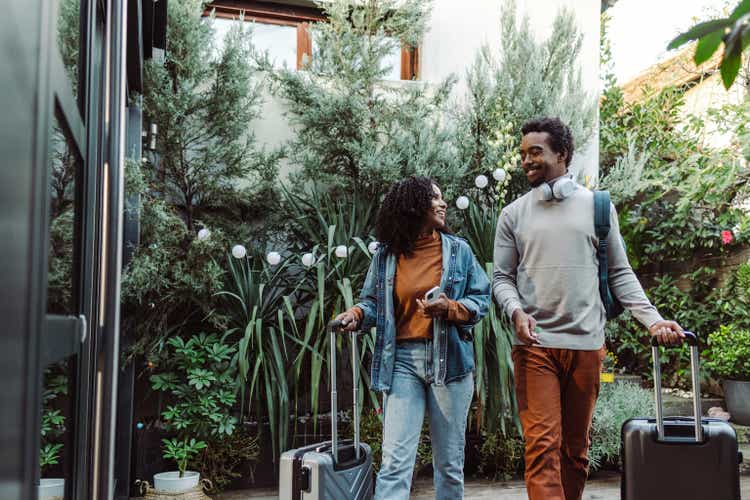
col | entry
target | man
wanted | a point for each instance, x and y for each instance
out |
(546, 280)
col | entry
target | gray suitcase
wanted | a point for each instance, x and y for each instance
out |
(330, 470)
(679, 458)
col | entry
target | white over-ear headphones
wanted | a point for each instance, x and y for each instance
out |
(559, 190)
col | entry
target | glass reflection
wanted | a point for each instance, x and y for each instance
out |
(63, 173)
(69, 39)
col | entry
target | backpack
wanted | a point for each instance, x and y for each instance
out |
(601, 226)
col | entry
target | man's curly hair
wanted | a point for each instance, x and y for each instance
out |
(402, 214)
(560, 136)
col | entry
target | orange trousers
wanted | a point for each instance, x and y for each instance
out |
(556, 391)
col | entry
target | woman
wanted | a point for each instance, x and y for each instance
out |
(424, 355)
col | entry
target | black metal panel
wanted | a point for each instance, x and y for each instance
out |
(93, 53)
(64, 335)
(160, 24)
(147, 27)
(109, 322)
(22, 248)
(135, 46)
(124, 439)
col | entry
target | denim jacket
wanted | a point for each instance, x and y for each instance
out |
(463, 280)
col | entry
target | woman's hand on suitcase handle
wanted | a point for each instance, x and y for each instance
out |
(349, 321)
(667, 333)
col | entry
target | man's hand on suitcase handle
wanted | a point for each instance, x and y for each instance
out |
(667, 333)
(348, 321)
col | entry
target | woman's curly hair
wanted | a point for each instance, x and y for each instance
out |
(402, 214)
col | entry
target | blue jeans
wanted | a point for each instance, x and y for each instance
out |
(413, 390)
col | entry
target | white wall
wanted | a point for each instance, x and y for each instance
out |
(457, 30)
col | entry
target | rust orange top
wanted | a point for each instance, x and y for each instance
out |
(415, 276)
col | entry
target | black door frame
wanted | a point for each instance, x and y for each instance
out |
(36, 91)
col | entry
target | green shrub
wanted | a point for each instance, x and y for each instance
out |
(227, 458)
(617, 402)
(501, 455)
(198, 378)
(729, 353)
(371, 432)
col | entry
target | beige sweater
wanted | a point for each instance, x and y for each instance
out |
(545, 263)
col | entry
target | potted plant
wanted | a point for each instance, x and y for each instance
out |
(50, 488)
(198, 378)
(729, 359)
(53, 426)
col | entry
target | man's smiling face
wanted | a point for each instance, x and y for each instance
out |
(538, 160)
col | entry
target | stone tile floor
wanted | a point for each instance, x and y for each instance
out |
(604, 486)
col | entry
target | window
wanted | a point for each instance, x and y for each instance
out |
(283, 31)
(278, 40)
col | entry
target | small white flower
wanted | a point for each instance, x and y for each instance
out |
(341, 251)
(736, 230)
(273, 258)
(462, 202)
(499, 175)
(239, 251)
(308, 259)
(203, 234)
(481, 181)
(373, 247)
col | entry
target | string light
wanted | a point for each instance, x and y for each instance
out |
(239, 251)
(499, 174)
(308, 259)
(273, 258)
(341, 251)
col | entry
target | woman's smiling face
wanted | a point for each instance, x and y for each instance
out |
(435, 218)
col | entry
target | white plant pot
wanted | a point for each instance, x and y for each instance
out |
(173, 483)
(51, 488)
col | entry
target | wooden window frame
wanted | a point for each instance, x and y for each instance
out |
(409, 63)
(300, 17)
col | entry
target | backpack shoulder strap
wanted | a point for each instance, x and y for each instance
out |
(601, 214)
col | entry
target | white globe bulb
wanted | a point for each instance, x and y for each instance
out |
(203, 234)
(273, 258)
(341, 251)
(373, 247)
(481, 181)
(308, 259)
(238, 251)
(462, 203)
(499, 174)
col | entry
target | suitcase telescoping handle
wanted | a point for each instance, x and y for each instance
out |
(692, 341)
(332, 327)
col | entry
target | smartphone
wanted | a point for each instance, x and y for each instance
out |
(432, 294)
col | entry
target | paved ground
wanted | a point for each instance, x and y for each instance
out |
(605, 486)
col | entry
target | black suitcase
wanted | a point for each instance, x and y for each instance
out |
(679, 458)
(330, 470)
